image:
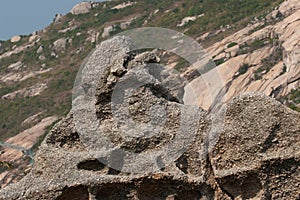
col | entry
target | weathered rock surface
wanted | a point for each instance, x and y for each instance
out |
(258, 153)
(255, 154)
(16, 50)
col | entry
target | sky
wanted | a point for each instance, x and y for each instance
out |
(22, 17)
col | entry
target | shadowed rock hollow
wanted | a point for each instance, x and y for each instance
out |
(256, 154)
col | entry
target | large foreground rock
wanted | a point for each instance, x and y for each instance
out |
(258, 151)
(255, 154)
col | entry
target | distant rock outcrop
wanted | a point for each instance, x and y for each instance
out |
(124, 5)
(15, 39)
(32, 91)
(107, 31)
(34, 38)
(255, 154)
(57, 17)
(188, 19)
(15, 66)
(60, 44)
(81, 8)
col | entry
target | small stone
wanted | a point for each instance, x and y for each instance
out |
(42, 57)
(40, 50)
(58, 17)
(34, 38)
(60, 44)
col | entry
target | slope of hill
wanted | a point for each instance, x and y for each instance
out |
(255, 44)
(264, 57)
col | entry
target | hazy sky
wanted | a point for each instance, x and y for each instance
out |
(22, 17)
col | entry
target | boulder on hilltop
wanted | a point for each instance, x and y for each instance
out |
(15, 39)
(81, 8)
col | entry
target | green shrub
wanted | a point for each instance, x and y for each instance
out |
(283, 70)
(182, 64)
(243, 68)
(295, 96)
(257, 76)
(269, 62)
(232, 44)
(219, 61)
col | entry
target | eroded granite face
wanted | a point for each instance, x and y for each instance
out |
(255, 153)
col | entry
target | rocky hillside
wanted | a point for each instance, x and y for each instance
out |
(253, 155)
(254, 43)
(262, 57)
